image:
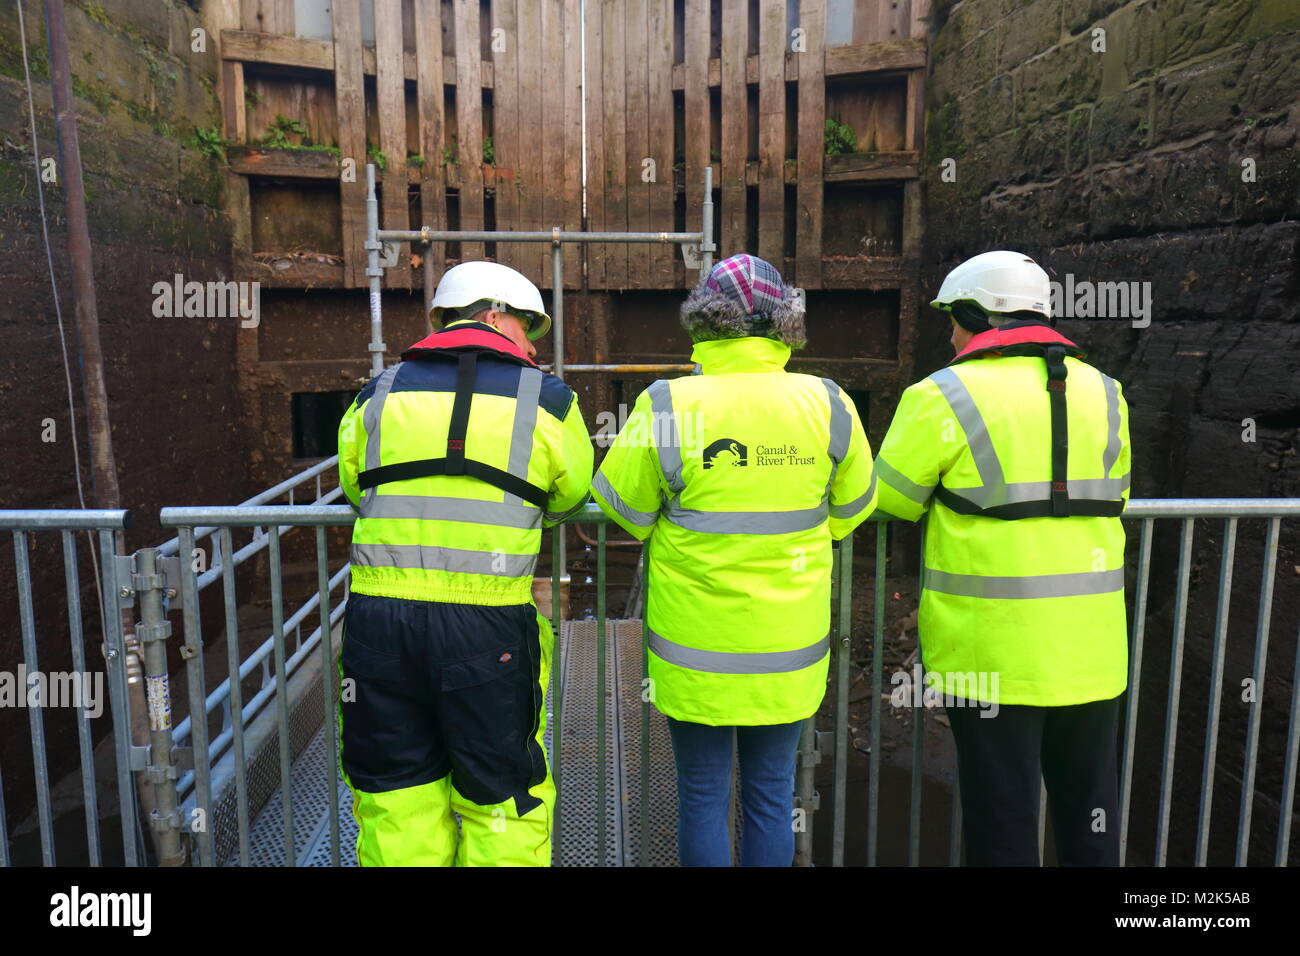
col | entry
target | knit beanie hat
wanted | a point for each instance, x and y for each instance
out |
(744, 296)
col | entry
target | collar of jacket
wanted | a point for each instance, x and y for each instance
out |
(466, 334)
(749, 354)
(1016, 338)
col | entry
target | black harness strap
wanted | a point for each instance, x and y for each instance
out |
(455, 462)
(1043, 508)
(1056, 373)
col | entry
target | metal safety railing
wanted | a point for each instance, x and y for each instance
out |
(153, 582)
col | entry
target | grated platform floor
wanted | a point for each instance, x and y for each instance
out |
(581, 771)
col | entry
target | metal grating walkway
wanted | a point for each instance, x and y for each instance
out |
(581, 768)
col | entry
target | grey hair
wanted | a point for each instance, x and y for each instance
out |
(708, 315)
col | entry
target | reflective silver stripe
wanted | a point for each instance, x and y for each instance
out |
(841, 422)
(558, 516)
(977, 433)
(469, 510)
(1108, 489)
(1111, 455)
(745, 662)
(1028, 586)
(745, 522)
(433, 558)
(856, 505)
(642, 519)
(371, 419)
(667, 439)
(521, 437)
(904, 485)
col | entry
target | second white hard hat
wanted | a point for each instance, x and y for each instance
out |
(999, 281)
(472, 282)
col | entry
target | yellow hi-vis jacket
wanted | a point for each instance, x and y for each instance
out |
(739, 478)
(1020, 453)
(454, 537)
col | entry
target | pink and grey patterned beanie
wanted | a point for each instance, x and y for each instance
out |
(744, 296)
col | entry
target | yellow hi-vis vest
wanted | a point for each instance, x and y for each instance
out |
(456, 536)
(739, 478)
(1023, 583)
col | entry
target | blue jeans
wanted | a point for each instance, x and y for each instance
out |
(704, 757)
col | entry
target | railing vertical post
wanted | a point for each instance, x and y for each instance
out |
(236, 698)
(647, 694)
(115, 670)
(152, 633)
(805, 792)
(877, 688)
(1216, 690)
(1134, 677)
(35, 715)
(842, 596)
(1175, 689)
(329, 676)
(706, 226)
(557, 668)
(72, 587)
(1257, 674)
(282, 695)
(1292, 758)
(192, 651)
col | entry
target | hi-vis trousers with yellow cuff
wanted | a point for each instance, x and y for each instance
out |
(443, 714)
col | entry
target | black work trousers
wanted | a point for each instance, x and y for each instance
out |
(1000, 762)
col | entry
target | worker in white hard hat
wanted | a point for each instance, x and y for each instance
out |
(455, 459)
(1018, 450)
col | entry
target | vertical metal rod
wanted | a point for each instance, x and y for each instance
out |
(706, 227)
(1175, 689)
(197, 681)
(1292, 758)
(430, 288)
(557, 669)
(329, 675)
(877, 659)
(236, 691)
(374, 274)
(843, 611)
(918, 736)
(282, 696)
(115, 668)
(647, 693)
(557, 330)
(35, 714)
(72, 587)
(1134, 679)
(1257, 673)
(153, 631)
(1216, 689)
(602, 790)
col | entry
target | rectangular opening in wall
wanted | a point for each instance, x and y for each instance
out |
(679, 31)
(448, 20)
(792, 121)
(751, 122)
(861, 400)
(790, 222)
(485, 29)
(490, 220)
(751, 219)
(862, 219)
(715, 28)
(298, 215)
(752, 49)
(316, 417)
(715, 127)
(874, 109)
(847, 326)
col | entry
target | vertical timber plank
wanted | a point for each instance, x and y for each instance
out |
(660, 33)
(637, 143)
(594, 97)
(505, 123)
(469, 122)
(812, 120)
(615, 142)
(735, 121)
(573, 94)
(349, 93)
(553, 175)
(268, 16)
(771, 130)
(429, 81)
(696, 103)
(532, 255)
(391, 90)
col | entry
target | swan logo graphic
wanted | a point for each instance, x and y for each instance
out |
(726, 451)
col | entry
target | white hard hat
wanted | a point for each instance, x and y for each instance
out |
(999, 282)
(508, 290)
